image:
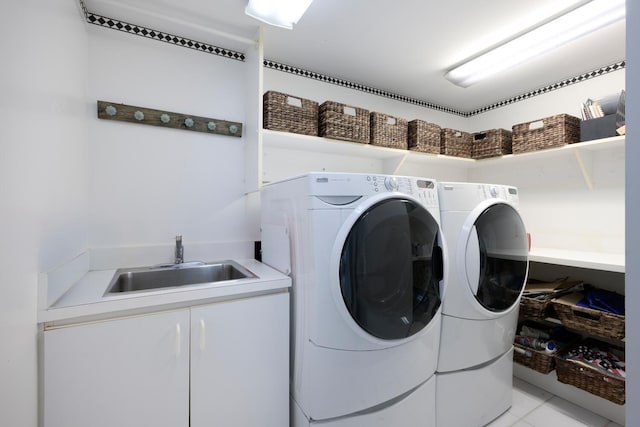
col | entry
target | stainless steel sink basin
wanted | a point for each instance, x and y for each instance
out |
(169, 276)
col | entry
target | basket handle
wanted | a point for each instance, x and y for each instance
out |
(349, 111)
(588, 316)
(536, 125)
(391, 120)
(479, 136)
(294, 102)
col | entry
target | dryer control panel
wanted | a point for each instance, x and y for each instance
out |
(503, 192)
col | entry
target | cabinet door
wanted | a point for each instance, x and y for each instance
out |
(125, 372)
(240, 363)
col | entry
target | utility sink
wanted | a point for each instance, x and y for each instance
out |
(139, 279)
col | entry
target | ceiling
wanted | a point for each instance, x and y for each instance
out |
(403, 47)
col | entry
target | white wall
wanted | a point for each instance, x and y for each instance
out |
(566, 100)
(149, 183)
(43, 175)
(559, 208)
(633, 207)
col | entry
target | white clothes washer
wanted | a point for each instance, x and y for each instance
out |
(366, 260)
(488, 257)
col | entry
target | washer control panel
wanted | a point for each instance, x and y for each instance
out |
(423, 189)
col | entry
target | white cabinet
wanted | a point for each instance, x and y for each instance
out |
(222, 364)
(239, 363)
(127, 372)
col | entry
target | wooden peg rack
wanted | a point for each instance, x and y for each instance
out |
(168, 119)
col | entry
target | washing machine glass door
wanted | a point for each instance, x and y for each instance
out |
(497, 257)
(390, 269)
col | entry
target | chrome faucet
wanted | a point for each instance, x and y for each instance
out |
(179, 258)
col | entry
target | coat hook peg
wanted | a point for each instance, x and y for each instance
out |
(110, 110)
(188, 122)
(165, 118)
(138, 115)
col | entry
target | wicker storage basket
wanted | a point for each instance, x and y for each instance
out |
(289, 113)
(456, 143)
(424, 137)
(540, 308)
(388, 131)
(545, 133)
(592, 321)
(533, 359)
(491, 143)
(340, 121)
(589, 378)
(539, 360)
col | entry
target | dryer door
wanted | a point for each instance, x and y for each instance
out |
(496, 257)
(390, 269)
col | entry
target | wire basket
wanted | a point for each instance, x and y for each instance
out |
(289, 113)
(344, 122)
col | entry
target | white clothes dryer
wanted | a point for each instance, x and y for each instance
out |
(365, 256)
(488, 257)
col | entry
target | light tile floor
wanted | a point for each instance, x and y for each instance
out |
(534, 407)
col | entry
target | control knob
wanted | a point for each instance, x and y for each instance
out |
(391, 183)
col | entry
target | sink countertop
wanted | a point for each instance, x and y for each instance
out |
(84, 301)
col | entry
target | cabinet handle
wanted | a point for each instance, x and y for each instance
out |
(202, 334)
(178, 340)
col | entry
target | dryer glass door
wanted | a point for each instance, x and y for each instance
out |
(390, 269)
(498, 249)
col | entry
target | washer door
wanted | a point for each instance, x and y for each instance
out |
(496, 257)
(390, 269)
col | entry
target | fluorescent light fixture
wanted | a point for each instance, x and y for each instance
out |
(576, 23)
(281, 13)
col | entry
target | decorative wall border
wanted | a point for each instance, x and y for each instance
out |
(368, 89)
(138, 30)
(356, 86)
(115, 24)
(620, 65)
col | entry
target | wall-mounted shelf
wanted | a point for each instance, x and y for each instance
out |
(315, 144)
(581, 259)
(311, 152)
(586, 146)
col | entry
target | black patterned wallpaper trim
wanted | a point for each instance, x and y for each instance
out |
(356, 86)
(620, 65)
(115, 24)
(138, 30)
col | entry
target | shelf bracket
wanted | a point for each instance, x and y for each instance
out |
(585, 173)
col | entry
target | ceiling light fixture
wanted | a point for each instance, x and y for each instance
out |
(281, 13)
(576, 23)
